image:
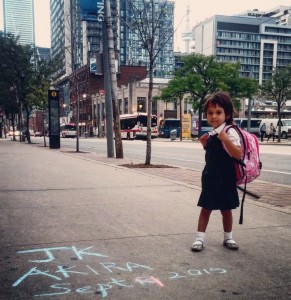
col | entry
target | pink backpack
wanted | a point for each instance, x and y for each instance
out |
(249, 166)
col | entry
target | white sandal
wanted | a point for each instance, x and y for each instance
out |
(230, 244)
(197, 246)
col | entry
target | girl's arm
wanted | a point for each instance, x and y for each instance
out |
(233, 150)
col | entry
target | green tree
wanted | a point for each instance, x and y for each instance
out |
(24, 81)
(9, 104)
(279, 88)
(202, 75)
(146, 22)
(17, 71)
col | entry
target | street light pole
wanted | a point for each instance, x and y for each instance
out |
(77, 118)
(100, 118)
(250, 107)
(85, 120)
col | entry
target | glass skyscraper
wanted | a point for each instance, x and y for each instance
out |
(131, 50)
(18, 18)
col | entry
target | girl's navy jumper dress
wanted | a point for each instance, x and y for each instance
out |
(218, 178)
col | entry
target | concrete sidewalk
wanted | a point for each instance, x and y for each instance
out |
(74, 227)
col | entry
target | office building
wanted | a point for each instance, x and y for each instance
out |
(18, 18)
(75, 37)
(260, 41)
(43, 54)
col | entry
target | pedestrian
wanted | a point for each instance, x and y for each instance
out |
(263, 130)
(272, 131)
(27, 135)
(219, 190)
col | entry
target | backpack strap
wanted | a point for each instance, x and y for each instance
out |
(241, 136)
(241, 216)
(244, 189)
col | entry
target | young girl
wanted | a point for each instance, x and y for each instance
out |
(218, 177)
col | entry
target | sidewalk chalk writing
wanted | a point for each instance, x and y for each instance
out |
(59, 275)
(50, 253)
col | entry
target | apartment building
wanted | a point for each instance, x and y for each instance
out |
(260, 41)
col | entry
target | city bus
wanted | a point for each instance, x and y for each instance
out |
(167, 125)
(134, 126)
(68, 130)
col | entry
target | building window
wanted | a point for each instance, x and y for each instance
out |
(120, 105)
(126, 105)
(141, 104)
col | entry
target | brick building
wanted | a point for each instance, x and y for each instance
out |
(87, 88)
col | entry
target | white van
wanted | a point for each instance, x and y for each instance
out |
(285, 126)
(254, 125)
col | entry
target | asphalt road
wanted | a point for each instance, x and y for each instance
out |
(275, 158)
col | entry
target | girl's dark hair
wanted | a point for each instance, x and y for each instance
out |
(223, 100)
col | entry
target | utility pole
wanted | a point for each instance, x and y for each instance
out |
(108, 95)
(109, 50)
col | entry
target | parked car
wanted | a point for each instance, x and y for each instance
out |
(38, 133)
(16, 133)
(167, 125)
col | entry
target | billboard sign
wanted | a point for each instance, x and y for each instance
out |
(90, 8)
(96, 64)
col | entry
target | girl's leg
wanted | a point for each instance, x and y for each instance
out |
(227, 221)
(203, 219)
(202, 225)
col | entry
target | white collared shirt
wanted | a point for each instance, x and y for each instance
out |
(233, 135)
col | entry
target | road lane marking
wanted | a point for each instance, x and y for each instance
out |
(278, 172)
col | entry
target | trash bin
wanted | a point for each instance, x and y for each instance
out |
(86, 134)
(173, 134)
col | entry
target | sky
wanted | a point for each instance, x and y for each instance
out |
(199, 11)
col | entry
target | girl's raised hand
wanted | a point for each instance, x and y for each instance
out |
(223, 136)
(203, 139)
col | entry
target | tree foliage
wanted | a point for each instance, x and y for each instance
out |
(279, 88)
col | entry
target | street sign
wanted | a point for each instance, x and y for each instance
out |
(53, 94)
(186, 126)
